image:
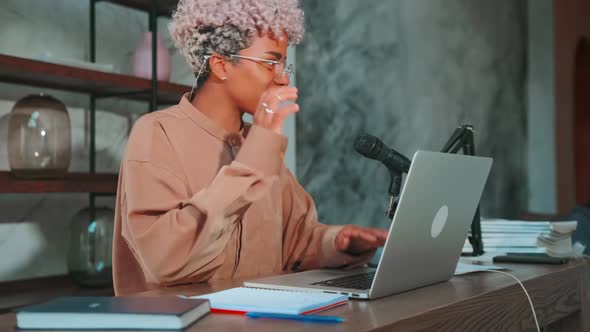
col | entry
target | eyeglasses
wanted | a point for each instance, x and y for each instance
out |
(280, 70)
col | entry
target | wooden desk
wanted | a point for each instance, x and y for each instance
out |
(483, 301)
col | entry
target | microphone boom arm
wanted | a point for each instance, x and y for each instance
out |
(394, 189)
(462, 137)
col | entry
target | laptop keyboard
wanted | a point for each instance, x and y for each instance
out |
(355, 281)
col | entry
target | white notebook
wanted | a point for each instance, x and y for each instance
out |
(245, 299)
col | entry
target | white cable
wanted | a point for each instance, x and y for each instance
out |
(525, 292)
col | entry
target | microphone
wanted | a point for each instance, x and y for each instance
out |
(372, 148)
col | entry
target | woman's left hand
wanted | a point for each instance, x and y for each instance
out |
(357, 240)
(269, 113)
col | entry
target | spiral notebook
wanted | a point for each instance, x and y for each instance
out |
(241, 300)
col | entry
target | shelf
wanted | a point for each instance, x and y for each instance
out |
(25, 292)
(44, 74)
(164, 7)
(71, 183)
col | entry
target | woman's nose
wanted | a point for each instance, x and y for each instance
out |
(284, 80)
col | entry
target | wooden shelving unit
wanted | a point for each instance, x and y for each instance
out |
(100, 84)
(71, 183)
(44, 74)
(163, 7)
(97, 85)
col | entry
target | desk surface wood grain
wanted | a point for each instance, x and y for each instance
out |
(481, 301)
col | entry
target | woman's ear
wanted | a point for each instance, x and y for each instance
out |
(219, 67)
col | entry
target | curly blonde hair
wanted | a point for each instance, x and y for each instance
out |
(202, 27)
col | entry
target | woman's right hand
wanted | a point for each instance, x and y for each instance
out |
(268, 114)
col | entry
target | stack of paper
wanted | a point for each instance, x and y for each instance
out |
(553, 238)
(558, 241)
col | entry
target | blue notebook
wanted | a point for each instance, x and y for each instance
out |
(105, 312)
(245, 299)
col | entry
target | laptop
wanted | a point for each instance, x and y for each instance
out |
(426, 237)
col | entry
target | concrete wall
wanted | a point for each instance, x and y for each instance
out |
(409, 72)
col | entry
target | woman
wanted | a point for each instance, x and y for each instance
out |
(204, 196)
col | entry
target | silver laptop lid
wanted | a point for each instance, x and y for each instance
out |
(436, 207)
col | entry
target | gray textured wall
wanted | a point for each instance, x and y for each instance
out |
(541, 107)
(409, 72)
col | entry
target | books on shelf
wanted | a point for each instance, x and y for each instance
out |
(552, 238)
(241, 300)
(108, 312)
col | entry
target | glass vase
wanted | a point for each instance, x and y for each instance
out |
(39, 137)
(90, 251)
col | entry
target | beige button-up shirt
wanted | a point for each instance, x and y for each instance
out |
(196, 203)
